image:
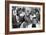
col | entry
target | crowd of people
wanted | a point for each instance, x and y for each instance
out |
(25, 17)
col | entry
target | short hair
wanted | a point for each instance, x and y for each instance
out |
(36, 19)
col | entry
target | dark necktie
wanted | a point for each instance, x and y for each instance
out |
(33, 25)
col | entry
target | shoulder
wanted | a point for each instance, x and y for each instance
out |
(29, 26)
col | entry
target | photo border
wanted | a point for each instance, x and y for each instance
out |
(21, 2)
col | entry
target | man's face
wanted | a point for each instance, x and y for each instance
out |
(27, 10)
(14, 13)
(22, 14)
(34, 21)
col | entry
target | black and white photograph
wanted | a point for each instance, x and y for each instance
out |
(25, 17)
